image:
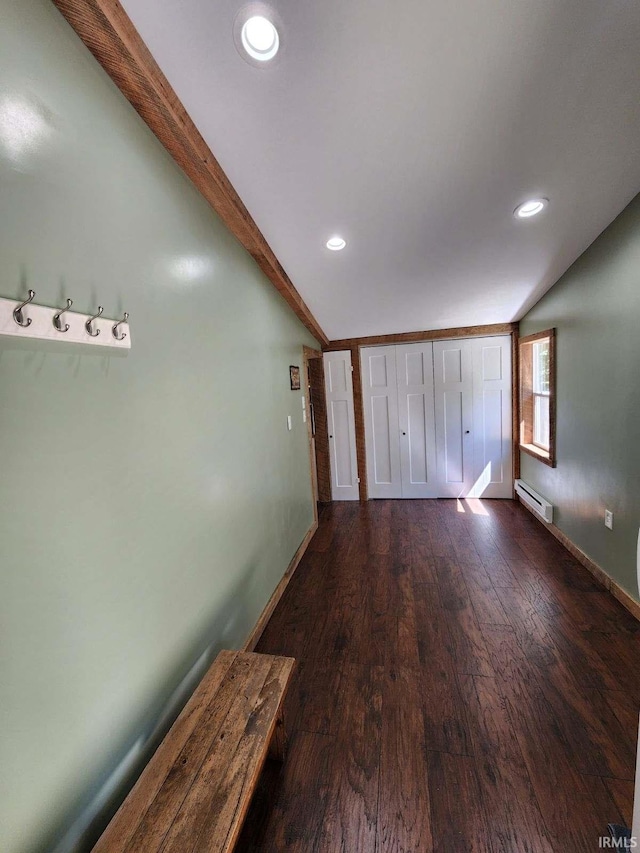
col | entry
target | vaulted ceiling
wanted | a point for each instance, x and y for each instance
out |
(413, 130)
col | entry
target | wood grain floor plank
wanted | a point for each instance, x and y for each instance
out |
(581, 653)
(548, 638)
(468, 563)
(469, 651)
(403, 802)
(378, 624)
(423, 568)
(599, 611)
(459, 818)
(445, 720)
(317, 693)
(334, 523)
(378, 529)
(350, 819)
(497, 568)
(621, 793)
(439, 538)
(526, 719)
(290, 803)
(587, 726)
(401, 648)
(620, 656)
(627, 711)
(545, 553)
(336, 632)
(561, 792)
(507, 791)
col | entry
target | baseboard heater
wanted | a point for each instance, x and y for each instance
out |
(537, 503)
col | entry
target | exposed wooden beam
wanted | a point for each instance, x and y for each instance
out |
(107, 31)
(431, 335)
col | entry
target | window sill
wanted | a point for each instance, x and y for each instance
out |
(539, 454)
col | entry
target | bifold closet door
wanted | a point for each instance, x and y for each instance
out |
(453, 386)
(341, 426)
(472, 380)
(438, 419)
(380, 401)
(416, 417)
(492, 418)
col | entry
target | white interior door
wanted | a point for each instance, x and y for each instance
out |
(381, 428)
(341, 425)
(453, 386)
(492, 423)
(416, 414)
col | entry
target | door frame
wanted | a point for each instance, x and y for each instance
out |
(307, 354)
(353, 405)
(355, 344)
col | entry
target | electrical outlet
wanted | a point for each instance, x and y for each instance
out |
(608, 519)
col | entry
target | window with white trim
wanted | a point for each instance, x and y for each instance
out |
(537, 395)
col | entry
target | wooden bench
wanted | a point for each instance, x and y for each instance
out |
(194, 793)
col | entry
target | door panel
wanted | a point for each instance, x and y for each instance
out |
(492, 418)
(414, 370)
(380, 401)
(453, 386)
(381, 440)
(341, 450)
(453, 438)
(341, 426)
(438, 418)
(416, 440)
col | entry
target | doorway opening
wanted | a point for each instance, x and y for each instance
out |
(317, 425)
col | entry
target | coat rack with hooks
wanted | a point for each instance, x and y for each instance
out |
(25, 319)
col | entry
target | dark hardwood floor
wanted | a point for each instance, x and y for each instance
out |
(463, 684)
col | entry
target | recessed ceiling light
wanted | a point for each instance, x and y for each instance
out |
(260, 38)
(530, 208)
(336, 243)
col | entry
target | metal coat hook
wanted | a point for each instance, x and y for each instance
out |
(89, 324)
(56, 318)
(17, 311)
(114, 330)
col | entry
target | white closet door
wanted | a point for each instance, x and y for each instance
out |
(414, 368)
(492, 422)
(341, 425)
(453, 385)
(380, 401)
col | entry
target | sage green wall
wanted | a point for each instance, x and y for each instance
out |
(150, 504)
(595, 307)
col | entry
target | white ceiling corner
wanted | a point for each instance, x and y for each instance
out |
(414, 130)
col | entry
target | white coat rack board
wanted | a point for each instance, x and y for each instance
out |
(24, 319)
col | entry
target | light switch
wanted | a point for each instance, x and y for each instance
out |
(608, 519)
(289, 422)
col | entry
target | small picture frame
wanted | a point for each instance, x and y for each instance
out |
(294, 377)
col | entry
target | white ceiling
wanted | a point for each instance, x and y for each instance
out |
(413, 130)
